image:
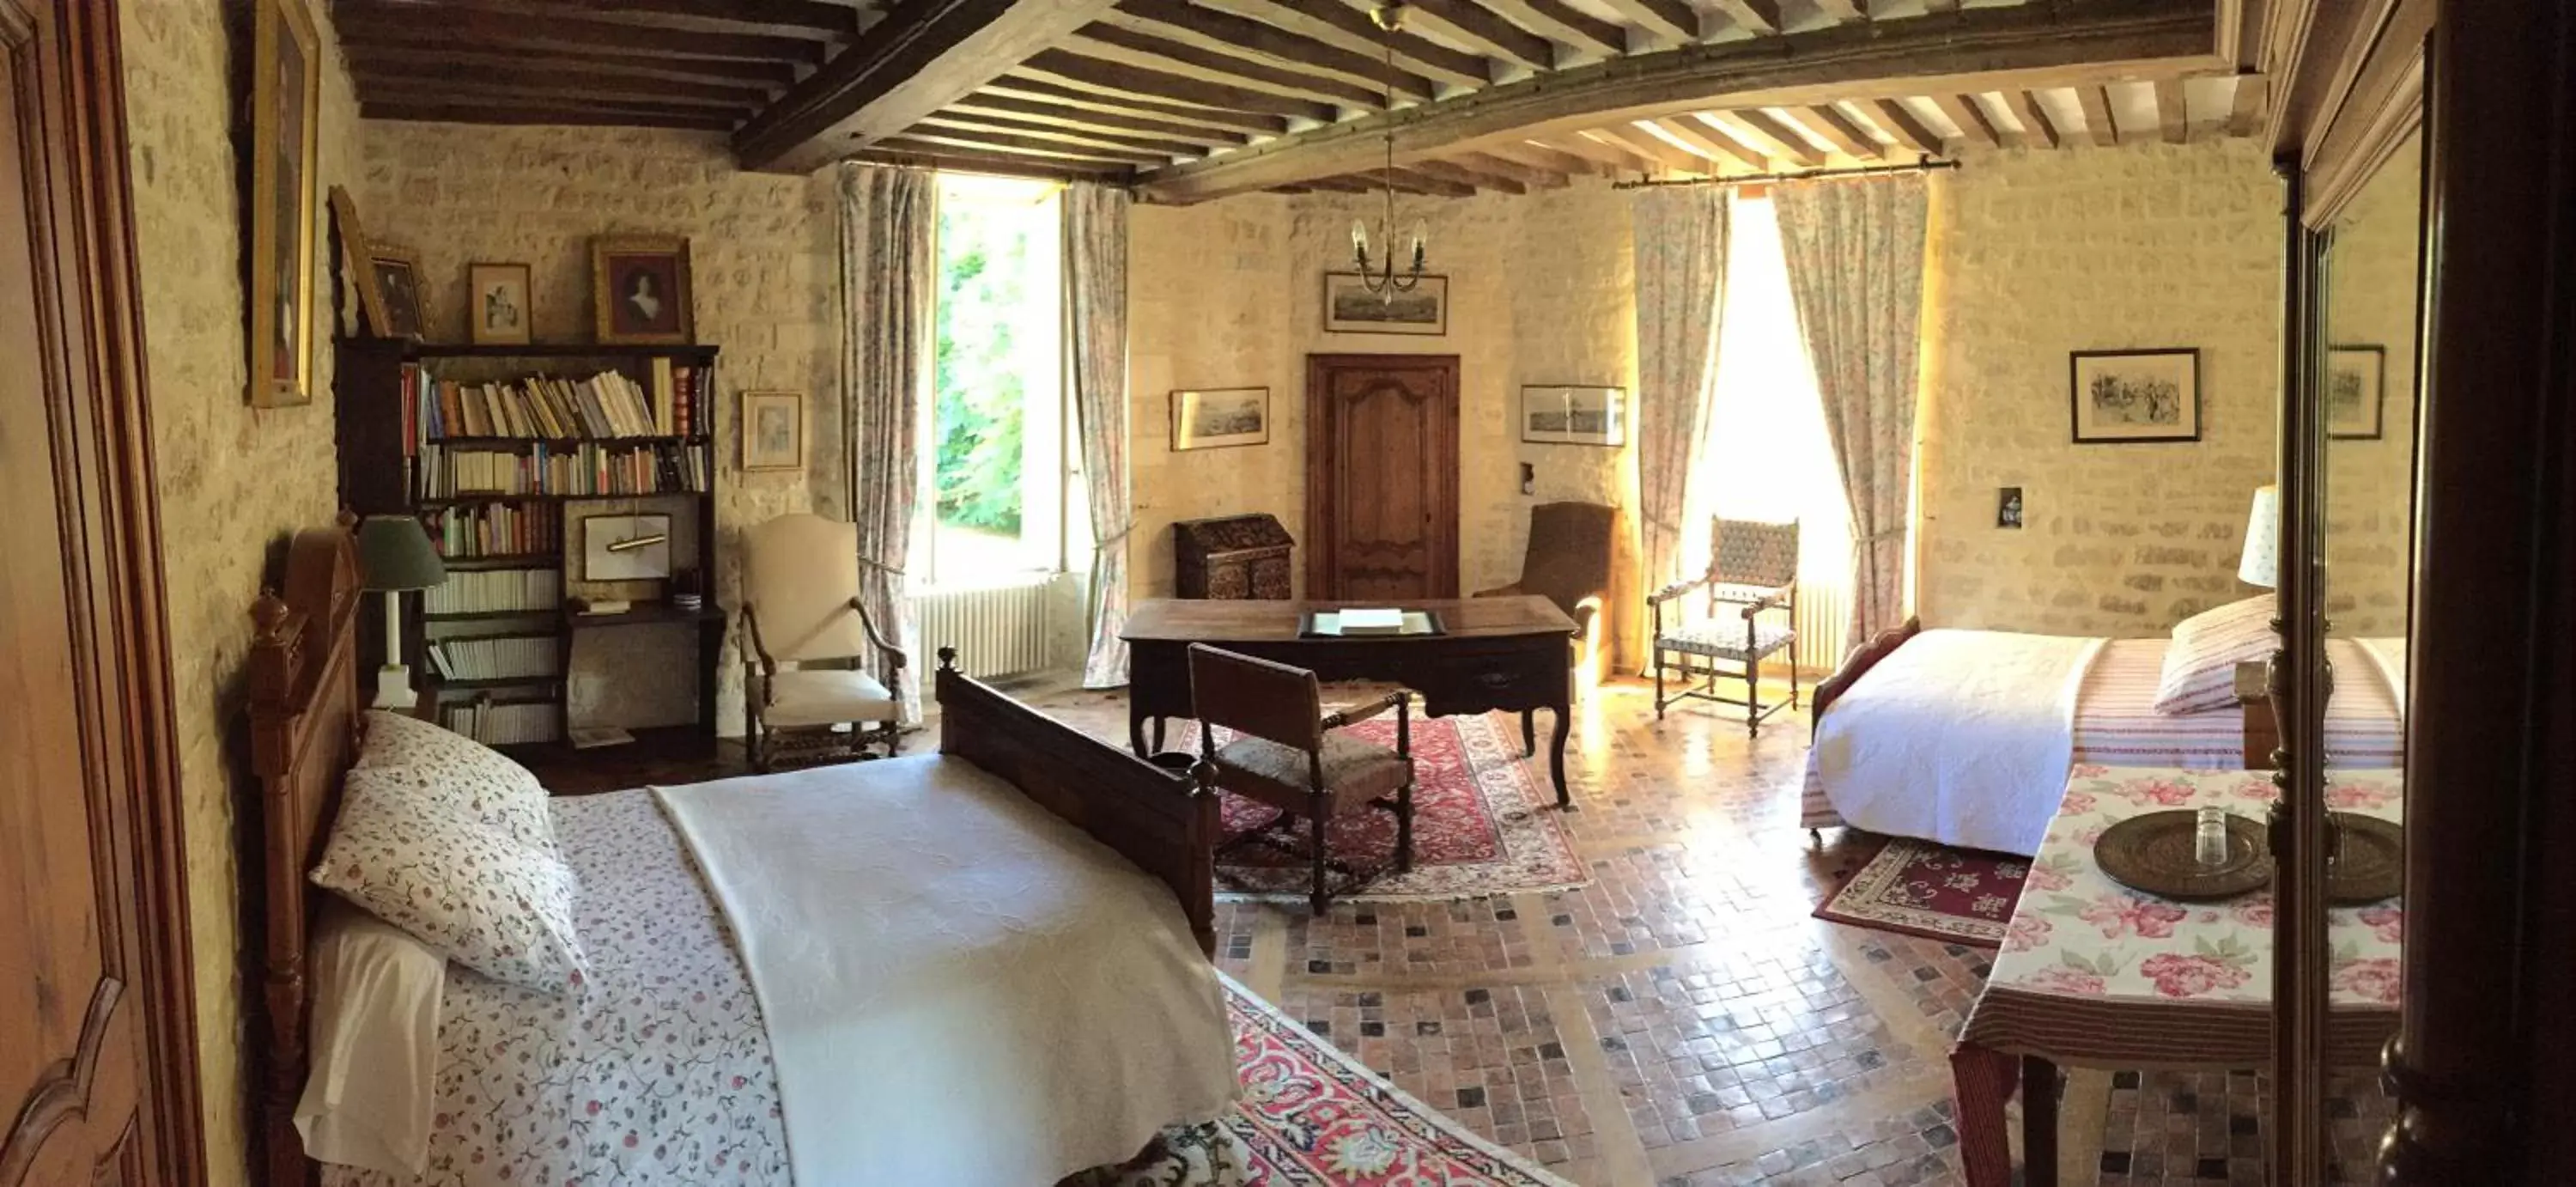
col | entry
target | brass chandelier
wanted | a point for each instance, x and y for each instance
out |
(1380, 276)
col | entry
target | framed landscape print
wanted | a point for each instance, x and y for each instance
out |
(1350, 308)
(393, 274)
(497, 308)
(1214, 418)
(2355, 394)
(2134, 395)
(286, 98)
(773, 431)
(640, 289)
(1568, 415)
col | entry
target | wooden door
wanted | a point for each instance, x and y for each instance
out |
(1381, 476)
(89, 924)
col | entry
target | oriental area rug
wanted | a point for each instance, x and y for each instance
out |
(1923, 889)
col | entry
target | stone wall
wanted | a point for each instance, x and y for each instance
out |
(2370, 301)
(766, 287)
(2034, 255)
(235, 482)
(1230, 294)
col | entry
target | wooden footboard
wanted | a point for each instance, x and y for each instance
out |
(1164, 822)
(1862, 659)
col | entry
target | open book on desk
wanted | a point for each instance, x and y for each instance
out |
(1367, 623)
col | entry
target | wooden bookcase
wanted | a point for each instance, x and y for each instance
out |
(381, 473)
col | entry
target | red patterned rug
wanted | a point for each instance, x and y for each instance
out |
(1311, 1116)
(1923, 889)
(1483, 823)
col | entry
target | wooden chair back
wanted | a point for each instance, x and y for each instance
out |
(1751, 554)
(799, 574)
(1254, 696)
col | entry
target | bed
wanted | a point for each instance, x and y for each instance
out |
(1964, 737)
(1033, 917)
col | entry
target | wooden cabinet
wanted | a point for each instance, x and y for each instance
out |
(1233, 558)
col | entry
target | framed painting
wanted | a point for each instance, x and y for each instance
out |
(286, 99)
(2134, 395)
(1571, 415)
(1214, 418)
(773, 431)
(640, 290)
(393, 272)
(497, 306)
(1350, 308)
(2356, 392)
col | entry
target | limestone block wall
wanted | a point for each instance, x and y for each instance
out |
(235, 482)
(2371, 301)
(2035, 255)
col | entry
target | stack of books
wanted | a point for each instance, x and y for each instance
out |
(487, 591)
(493, 659)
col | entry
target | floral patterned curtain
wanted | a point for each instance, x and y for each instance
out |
(889, 286)
(1679, 236)
(1855, 250)
(1095, 284)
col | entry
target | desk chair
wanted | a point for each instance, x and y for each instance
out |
(1287, 755)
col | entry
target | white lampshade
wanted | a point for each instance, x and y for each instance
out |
(2262, 563)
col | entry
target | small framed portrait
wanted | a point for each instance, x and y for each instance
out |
(497, 307)
(773, 431)
(2134, 395)
(394, 273)
(2355, 392)
(1573, 415)
(1350, 308)
(640, 289)
(286, 100)
(1214, 418)
(2008, 508)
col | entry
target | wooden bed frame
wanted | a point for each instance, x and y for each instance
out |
(1857, 665)
(306, 712)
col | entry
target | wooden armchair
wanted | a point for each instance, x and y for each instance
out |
(1752, 568)
(1289, 757)
(1568, 560)
(806, 691)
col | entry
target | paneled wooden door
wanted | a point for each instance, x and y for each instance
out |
(1381, 476)
(95, 1087)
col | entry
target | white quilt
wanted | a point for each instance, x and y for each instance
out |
(960, 988)
(1960, 737)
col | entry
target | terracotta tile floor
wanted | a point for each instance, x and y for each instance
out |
(1683, 1021)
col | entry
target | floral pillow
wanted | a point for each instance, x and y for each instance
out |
(474, 776)
(404, 850)
(2200, 663)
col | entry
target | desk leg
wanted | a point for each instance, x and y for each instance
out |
(2038, 1122)
(1136, 732)
(1983, 1080)
(1556, 755)
(1529, 733)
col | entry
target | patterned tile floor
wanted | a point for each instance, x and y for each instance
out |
(1683, 1021)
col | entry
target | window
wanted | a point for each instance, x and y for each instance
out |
(996, 437)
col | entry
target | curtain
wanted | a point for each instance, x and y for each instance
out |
(1855, 251)
(1095, 283)
(1679, 236)
(889, 285)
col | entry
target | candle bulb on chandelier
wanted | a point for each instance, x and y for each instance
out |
(1359, 242)
(1421, 235)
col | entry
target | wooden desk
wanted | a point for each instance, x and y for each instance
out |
(1499, 653)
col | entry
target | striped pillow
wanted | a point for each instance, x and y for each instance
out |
(2200, 663)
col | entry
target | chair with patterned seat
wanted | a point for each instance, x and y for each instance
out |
(1753, 570)
(1288, 754)
(807, 692)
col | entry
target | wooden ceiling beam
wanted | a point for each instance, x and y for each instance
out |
(2036, 127)
(1974, 127)
(953, 161)
(1664, 153)
(2173, 111)
(985, 103)
(1842, 11)
(1559, 21)
(1908, 129)
(442, 25)
(1350, 29)
(1554, 160)
(1672, 20)
(1758, 17)
(521, 113)
(1447, 171)
(369, 71)
(397, 54)
(970, 123)
(1486, 30)
(790, 18)
(1615, 156)
(1124, 79)
(1708, 140)
(1076, 101)
(1210, 29)
(923, 56)
(1030, 148)
(1529, 175)
(1770, 129)
(1846, 132)
(2245, 116)
(1416, 181)
(484, 92)
(1117, 43)
(2100, 122)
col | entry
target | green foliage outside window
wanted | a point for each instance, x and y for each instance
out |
(983, 262)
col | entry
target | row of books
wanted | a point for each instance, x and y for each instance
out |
(504, 723)
(608, 404)
(500, 529)
(485, 591)
(494, 659)
(584, 469)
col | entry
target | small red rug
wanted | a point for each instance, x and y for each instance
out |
(1923, 889)
(1311, 1116)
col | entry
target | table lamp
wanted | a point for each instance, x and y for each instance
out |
(2262, 562)
(394, 555)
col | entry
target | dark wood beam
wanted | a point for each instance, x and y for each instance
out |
(373, 69)
(1497, 165)
(1352, 30)
(1843, 11)
(1207, 28)
(1709, 141)
(819, 16)
(1771, 129)
(1900, 122)
(1114, 43)
(1446, 171)
(1486, 30)
(923, 56)
(2173, 111)
(1759, 17)
(1662, 152)
(1078, 101)
(1560, 21)
(1846, 132)
(2036, 127)
(968, 148)
(1122, 79)
(1974, 127)
(2099, 121)
(1672, 20)
(396, 53)
(1025, 146)
(972, 122)
(948, 161)
(416, 93)
(988, 103)
(1341, 185)
(520, 113)
(433, 26)
(1974, 49)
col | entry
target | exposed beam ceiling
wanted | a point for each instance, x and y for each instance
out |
(1224, 32)
(2036, 128)
(1077, 100)
(1709, 141)
(1900, 122)
(1970, 116)
(1473, 24)
(1118, 78)
(1347, 27)
(1845, 132)
(2100, 122)
(1117, 43)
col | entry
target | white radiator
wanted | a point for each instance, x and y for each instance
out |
(1824, 613)
(999, 631)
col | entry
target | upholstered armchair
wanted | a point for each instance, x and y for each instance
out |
(1568, 560)
(807, 636)
(1752, 571)
(1288, 755)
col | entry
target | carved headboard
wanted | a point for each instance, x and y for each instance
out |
(304, 720)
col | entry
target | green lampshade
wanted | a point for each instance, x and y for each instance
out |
(394, 553)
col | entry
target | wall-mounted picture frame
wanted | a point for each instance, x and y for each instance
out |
(1350, 308)
(1220, 417)
(1572, 414)
(2356, 392)
(773, 431)
(286, 106)
(393, 272)
(2134, 396)
(498, 307)
(639, 287)
(625, 547)
(351, 235)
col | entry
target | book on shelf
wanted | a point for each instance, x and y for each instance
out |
(509, 658)
(608, 404)
(584, 468)
(504, 723)
(495, 529)
(495, 591)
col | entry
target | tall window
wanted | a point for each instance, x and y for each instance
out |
(994, 454)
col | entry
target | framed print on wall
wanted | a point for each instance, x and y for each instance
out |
(773, 431)
(497, 308)
(1217, 417)
(1350, 308)
(2134, 395)
(394, 273)
(2355, 392)
(639, 288)
(1573, 415)
(286, 101)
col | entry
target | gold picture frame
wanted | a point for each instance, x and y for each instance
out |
(639, 290)
(773, 431)
(352, 239)
(393, 272)
(286, 103)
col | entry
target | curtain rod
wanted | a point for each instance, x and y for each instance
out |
(1924, 166)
